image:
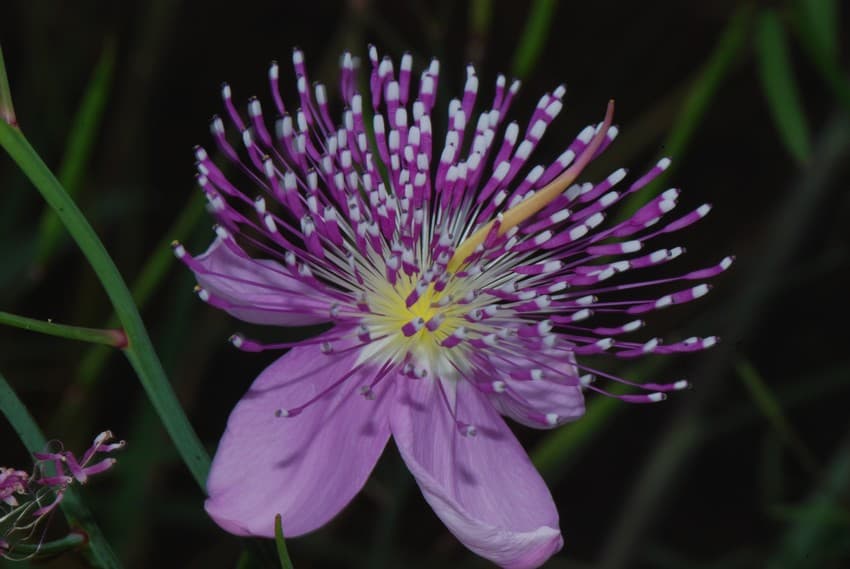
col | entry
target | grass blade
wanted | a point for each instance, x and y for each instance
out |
(821, 17)
(282, 553)
(78, 149)
(804, 544)
(7, 109)
(826, 64)
(726, 52)
(780, 87)
(769, 406)
(533, 37)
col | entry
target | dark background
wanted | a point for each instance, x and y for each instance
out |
(751, 468)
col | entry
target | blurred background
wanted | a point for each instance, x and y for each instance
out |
(751, 468)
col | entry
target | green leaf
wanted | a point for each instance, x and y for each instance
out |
(780, 87)
(811, 30)
(821, 18)
(285, 562)
(533, 37)
(828, 514)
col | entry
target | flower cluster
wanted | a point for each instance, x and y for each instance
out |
(461, 280)
(27, 499)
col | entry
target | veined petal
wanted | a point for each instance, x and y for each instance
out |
(483, 487)
(259, 290)
(540, 394)
(307, 467)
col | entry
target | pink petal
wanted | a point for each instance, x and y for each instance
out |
(305, 467)
(259, 290)
(541, 403)
(483, 487)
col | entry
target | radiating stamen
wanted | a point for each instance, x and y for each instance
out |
(527, 208)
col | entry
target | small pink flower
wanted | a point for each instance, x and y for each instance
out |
(459, 279)
(12, 482)
(27, 499)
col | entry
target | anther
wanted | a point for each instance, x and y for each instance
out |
(413, 326)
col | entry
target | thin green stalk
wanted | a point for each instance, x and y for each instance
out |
(55, 547)
(7, 109)
(481, 16)
(113, 338)
(769, 406)
(727, 50)
(75, 511)
(828, 67)
(78, 149)
(534, 37)
(803, 545)
(152, 274)
(786, 228)
(561, 446)
(480, 25)
(282, 553)
(140, 350)
(780, 87)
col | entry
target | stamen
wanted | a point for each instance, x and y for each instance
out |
(527, 208)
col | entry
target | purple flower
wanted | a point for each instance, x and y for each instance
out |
(459, 280)
(27, 499)
(12, 482)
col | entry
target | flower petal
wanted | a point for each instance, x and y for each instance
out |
(306, 467)
(541, 393)
(257, 290)
(483, 487)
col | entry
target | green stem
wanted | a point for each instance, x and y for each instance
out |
(78, 149)
(770, 407)
(140, 350)
(55, 547)
(282, 553)
(534, 37)
(7, 109)
(153, 272)
(75, 511)
(114, 338)
(714, 72)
